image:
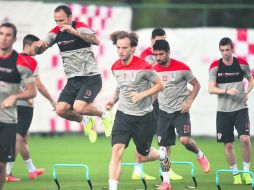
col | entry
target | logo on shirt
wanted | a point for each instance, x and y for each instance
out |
(6, 70)
(172, 76)
(63, 43)
(169, 77)
(228, 74)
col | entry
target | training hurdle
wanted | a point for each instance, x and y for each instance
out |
(192, 171)
(142, 173)
(87, 173)
(232, 171)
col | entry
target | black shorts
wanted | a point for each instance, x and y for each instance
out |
(139, 128)
(84, 88)
(25, 116)
(226, 121)
(168, 122)
(7, 142)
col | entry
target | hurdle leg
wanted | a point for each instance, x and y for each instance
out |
(186, 163)
(232, 171)
(87, 173)
(142, 173)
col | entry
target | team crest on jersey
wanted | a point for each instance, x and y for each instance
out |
(219, 135)
(172, 76)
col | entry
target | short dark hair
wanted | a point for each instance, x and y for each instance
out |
(123, 34)
(158, 32)
(65, 8)
(161, 45)
(226, 41)
(29, 39)
(10, 25)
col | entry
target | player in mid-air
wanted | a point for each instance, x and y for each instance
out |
(25, 114)
(74, 40)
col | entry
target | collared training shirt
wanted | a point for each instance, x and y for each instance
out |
(13, 70)
(175, 77)
(230, 76)
(138, 76)
(77, 55)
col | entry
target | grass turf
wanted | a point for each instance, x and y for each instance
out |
(76, 149)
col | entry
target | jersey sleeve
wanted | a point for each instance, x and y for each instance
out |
(213, 70)
(189, 76)
(51, 36)
(151, 75)
(24, 69)
(83, 28)
(245, 68)
(36, 72)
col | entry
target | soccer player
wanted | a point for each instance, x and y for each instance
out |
(148, 56)
(25, 114)
(74, 40)
(174, 104)
(226, 80)
(14, 68)
(134, 117)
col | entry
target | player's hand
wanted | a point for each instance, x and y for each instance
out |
(232, 91)
(68, 28)
(136, 97)
(9, 102)
(109, 105)
(41, 43)
(40, 46)
(186, 106)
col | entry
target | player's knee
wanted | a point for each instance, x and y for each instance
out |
(229, 146)
(79, 109)
(245, 139)
(117, 151)
(185, 140)
(60, 111)
(139, 158)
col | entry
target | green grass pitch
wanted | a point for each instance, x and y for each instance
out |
(76, 149)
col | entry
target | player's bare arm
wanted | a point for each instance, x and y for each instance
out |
(249, 88)
(115, 98)
(157, 87)
(213, 89)
(90, 38)
(29, 92)
(40, 46)
(193, 94)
